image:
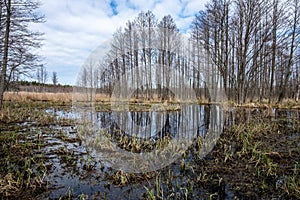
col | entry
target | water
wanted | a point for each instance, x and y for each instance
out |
(76, 168)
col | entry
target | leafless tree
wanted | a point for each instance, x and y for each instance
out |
(19, 41)
(54, 78)
(42, 75)
(251, 49)
(254, 46)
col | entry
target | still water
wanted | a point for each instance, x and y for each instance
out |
(91, 162)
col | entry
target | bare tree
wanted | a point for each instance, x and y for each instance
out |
(252, 50)
(294, 23)
(5, 50)
(54, 78)
(42, 75)
(168, 42)
(249, 41)
(19, 40)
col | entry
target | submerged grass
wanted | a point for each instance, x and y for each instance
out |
(260, 153)
(22, 173)
(23, 169)
(16, 113)
(255, 158)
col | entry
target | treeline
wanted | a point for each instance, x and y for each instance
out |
(148, 59)
(255, 46)
(247, 48)
(34, 86)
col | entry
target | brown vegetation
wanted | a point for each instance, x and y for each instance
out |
(103, 98)
(34, 96)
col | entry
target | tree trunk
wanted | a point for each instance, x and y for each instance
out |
(5, 51)
(274, 48)
(290, 60)
(297, 83)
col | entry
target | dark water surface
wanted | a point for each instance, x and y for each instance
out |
(76, 170)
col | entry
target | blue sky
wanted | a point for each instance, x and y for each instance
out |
(74, 28)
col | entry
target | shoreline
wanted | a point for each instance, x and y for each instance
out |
(103, 99)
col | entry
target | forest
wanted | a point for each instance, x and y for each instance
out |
(249, 49)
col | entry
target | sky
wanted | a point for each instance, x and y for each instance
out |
(74, 28)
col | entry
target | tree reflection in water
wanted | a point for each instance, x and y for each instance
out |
(190, 121)
(146, 141)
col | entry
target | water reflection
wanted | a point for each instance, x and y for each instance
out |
(65, 178)
(191, 121)
(132, 141)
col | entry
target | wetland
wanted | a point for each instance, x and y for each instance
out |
(44, 156)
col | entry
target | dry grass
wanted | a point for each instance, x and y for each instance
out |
(264, 104)
(50, 97)
(68, 97)
(34, 96)
(8, 185)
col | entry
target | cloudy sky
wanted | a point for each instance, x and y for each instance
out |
(74, 28)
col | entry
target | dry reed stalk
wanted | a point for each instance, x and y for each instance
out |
(79, 97)
(35, 96)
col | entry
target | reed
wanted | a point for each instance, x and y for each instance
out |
(35, 96)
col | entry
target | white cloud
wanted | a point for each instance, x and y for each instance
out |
(194, 6)
(74, 28)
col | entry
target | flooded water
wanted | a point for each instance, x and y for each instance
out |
(77, 169)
